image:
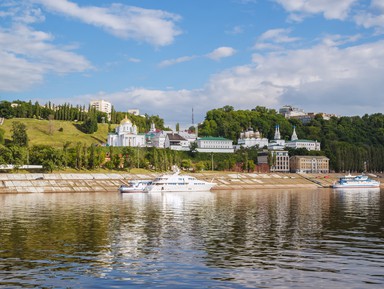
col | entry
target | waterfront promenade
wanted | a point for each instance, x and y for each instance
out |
(109, 182)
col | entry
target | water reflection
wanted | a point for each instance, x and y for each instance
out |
(269, 239)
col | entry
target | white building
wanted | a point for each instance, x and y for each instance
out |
(289, 111)
(134, 111)
(176, 142)
(280, 161)
(214, 145)
(251, 138)
(297, 143)
(126, 135)
(277, 143)
(303, 143)
(103, 106)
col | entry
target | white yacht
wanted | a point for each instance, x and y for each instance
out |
(360, 181)
(135, 186)
(178, 183)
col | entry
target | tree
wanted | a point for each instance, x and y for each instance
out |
(90, 125)
(65, 152)
(19, 134)
(2, 139)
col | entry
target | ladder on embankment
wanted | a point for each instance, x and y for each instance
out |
(323, 181)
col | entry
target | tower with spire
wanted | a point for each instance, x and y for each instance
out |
(294, 135)
(277, 132)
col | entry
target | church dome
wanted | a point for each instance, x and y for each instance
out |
(125, 120)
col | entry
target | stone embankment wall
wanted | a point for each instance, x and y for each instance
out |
(98, 182)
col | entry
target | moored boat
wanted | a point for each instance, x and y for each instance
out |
(178, 183)
(359, 181)
(135, 186)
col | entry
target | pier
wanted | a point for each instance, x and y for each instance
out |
(109, 182)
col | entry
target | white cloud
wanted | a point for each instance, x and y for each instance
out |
(134, 60)
(278, 36)
(173, 105)
(221, 52)
(322, 76)
(236, 30)
(337, 40)
(170, 62)
(152, 26)
(217, 54)
(273, 38)
(345, 81)
(373, 18)
(26, 55)
(331, 9)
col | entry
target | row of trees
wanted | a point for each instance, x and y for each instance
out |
(351, 143)
(80, 156)
(67, 112)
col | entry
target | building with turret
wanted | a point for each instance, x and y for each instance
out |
(251, 138)
(297, 143)
(126, 135)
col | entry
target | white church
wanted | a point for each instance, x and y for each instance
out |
(126, 135)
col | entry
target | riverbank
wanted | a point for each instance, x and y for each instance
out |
(109, 182)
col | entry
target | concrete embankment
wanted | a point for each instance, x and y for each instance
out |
(100, 182)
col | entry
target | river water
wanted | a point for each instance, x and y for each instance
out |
(228, 239)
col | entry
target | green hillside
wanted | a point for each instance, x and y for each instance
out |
(55, 133)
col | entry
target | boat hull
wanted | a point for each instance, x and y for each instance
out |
(179, 188)
(336, 186)
(130, 191)
(134, 187)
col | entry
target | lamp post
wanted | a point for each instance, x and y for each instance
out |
(138, 159)
(212, 161)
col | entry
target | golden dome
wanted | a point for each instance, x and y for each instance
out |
(125, 120)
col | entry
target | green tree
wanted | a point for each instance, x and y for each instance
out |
(19, 134)
(2, 138)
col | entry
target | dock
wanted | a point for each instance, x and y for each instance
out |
(110, 182)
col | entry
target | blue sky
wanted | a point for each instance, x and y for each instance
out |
(165, 56)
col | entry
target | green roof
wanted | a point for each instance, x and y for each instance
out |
(302, 140)
(213, 138)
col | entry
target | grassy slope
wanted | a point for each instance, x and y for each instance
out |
(38, 132)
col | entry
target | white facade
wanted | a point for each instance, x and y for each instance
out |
(290, 111)
(302, 143)
(277, 143)
(134, 111)
(126, 135)
(158, 140)
(214, 145)
(280, 161)
(251, 138)
(190, 137)
(176, 142)
(102, 105)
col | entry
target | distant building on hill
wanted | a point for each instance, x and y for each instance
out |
(126, 134)
(251, 138)
(103, 106)
(134, 111)
(297, 143)
(214, 145)
(174, 141)
(289, 111)
(309, 164)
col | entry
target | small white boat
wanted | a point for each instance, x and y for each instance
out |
(136, 186)
(178, 183)
(360, 181)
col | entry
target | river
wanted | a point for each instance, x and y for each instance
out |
(320, 238)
